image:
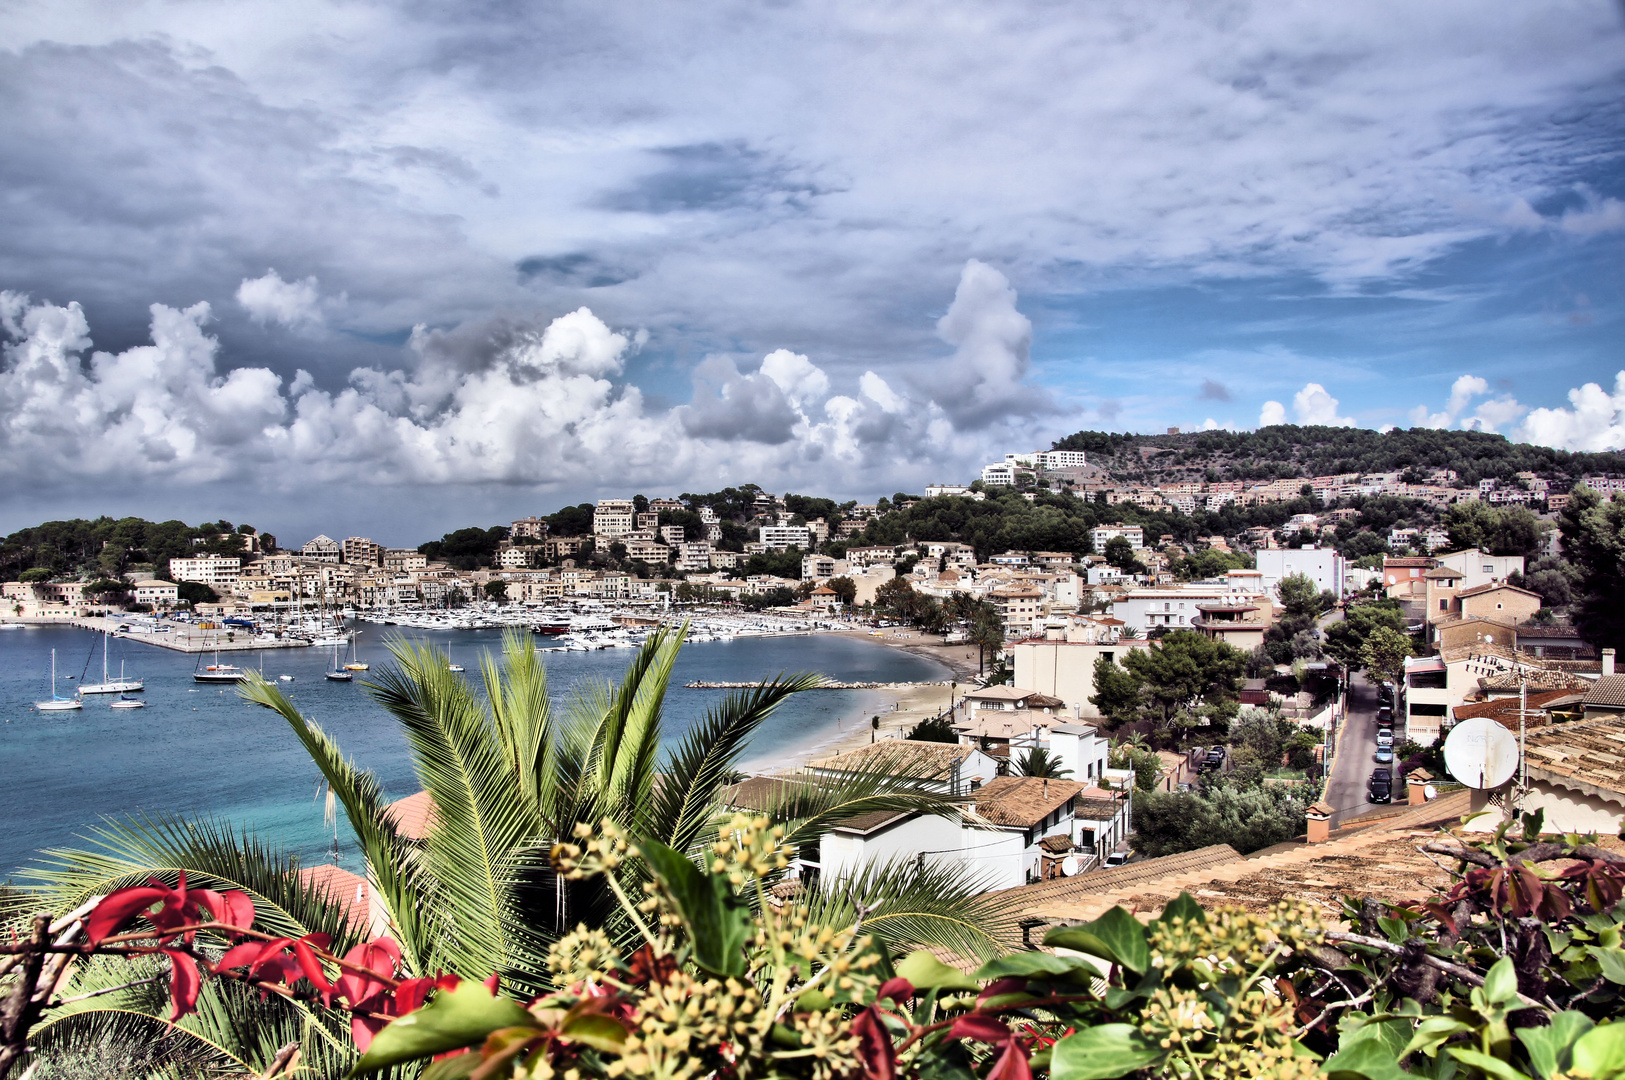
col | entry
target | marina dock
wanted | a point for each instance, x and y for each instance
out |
(180, 637)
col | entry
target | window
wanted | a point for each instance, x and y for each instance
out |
(1444, 605)
(1425, 709)
(1414, 571)
(1488, 569)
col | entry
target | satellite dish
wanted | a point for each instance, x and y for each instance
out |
(1430, 793)
(1481, 753)
(1069, 865)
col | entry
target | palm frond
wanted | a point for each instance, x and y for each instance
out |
(481, 818)
(390, 859)
(911, 903)
(128, 852)
(631, 738)
(523, 712)
(809, 806)
(684, 802)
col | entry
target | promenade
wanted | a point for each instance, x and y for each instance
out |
(178, 637)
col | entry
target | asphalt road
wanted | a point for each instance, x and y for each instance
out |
(1357, 746)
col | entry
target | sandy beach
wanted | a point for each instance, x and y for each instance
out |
(900, 707)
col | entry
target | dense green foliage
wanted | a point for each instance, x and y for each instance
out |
(933, 729)
(1288, 450)
(1594, 543)
(107, 548)
(1247, 817)
(466, 549)
(1346, 637)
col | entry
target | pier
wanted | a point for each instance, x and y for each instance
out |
(180, 637)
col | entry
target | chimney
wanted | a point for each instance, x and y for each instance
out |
(1416, 784)
(1320, 822)
(1608, 661)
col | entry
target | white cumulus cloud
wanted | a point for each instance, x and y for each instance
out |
(1314, 406)
(269, 299)
(1491, 415)
(1594, 422)
(1271, 414)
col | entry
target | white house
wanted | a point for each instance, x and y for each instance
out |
(780, 537)
(1324, 566)
(1478, 568)
(999, 474)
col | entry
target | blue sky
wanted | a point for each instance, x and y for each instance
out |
(389, 269)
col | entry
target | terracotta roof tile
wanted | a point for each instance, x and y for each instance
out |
(1023, 801)
(1608, 690)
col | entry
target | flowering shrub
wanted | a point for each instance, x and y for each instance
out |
(1514, 974)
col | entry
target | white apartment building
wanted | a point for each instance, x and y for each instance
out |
(157, 593)
(780, 537)
(405, 559)
(1147, 609)
(999, 474)
(1100, 535)
(324, 548)
(613, 517)
(1325, 567)
(650, 551)
(693, 555)
(363, 551)
(1477, 568)
(532, 527)
(671, 534)
(1061, 459)
(934, 491)
(514, 558)
(209, 570)
(817, 566)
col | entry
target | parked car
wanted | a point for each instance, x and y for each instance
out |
(1385, 736)
(1385, 717)
(1117, 858)
(1385, 755)
(1380, 787)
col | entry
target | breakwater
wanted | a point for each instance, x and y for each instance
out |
(827, 684)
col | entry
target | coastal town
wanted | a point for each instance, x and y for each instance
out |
(1035, 636)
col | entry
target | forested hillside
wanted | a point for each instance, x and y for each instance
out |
(1288, 450)
(109, 547)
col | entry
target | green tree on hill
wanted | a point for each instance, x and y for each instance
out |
(1506, 530)
(1594, 542)
(1186, 670)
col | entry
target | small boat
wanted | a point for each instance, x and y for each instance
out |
(126, 702)
(219, 673)
(111, 686)
(356, 663)
(285, 678)
(455, 667)
(57, 703)
(336, 673)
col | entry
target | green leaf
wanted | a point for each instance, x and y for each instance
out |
(1103, 1052)
(453, 1068)
(1432, 1032)
(926, 972)
(597, 1031)
(1600, 1052)
(814, 1000)
(718, 921)
(1116, 935)
(1611, 961)
(454, 1019)
(1501, 982)
(1183, 907)
(1494, 1066)
(1371, 1050)
(1038, 965)
(1551, 1049)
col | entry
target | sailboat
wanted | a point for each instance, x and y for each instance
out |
(218, 672)
(336, 673)
(356, 663)
(120, 685)
(127, 702)
(57, 702)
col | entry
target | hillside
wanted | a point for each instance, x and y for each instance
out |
(1287, 450)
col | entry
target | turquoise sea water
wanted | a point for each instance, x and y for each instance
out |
(200, 750)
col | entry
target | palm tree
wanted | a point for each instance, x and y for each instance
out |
(1040, 762)
(509, 775)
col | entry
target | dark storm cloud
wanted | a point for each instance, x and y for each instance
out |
(1213, 390)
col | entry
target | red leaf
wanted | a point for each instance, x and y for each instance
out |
(1012, 1064)
(409, 995)
(898, 989)
(239, 910)
(118, 908)
(184, 983)
(206, 900)
(240, 955)
(978, 1027)
(875, 1048)
(494, 983)
(363, 1029)
(312, 967)
(378, 956)
(1009, 985)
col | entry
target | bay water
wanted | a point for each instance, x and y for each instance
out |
(200, 750)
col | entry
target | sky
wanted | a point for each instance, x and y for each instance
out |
(391, 269)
